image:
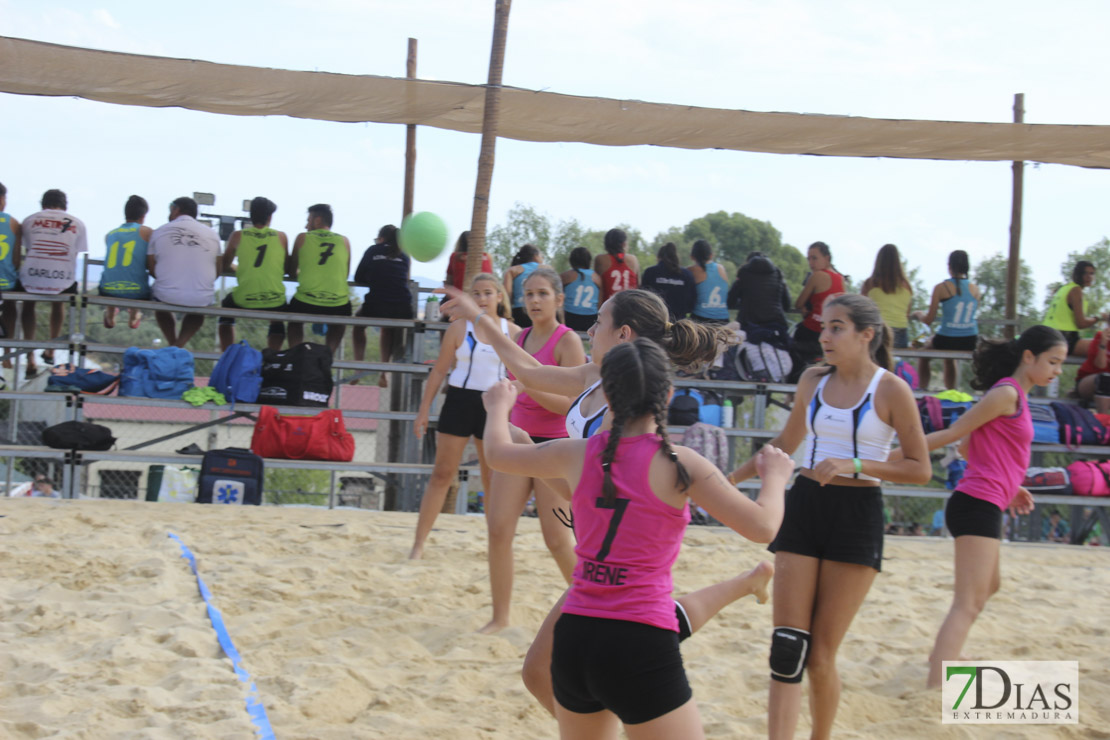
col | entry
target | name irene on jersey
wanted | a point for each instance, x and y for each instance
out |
(602, 573)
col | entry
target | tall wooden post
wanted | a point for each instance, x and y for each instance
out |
(477, 241)
(1013, 267)
(410, 139)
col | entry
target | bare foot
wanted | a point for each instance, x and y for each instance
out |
(492, 627)
(136, 319)
(109, 319)
(760, 577)
(383, 381)
(417, 552)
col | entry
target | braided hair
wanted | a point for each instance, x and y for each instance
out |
(636, 379)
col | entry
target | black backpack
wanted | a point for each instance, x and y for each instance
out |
(298, 376)
(78, 435)
(230, 476)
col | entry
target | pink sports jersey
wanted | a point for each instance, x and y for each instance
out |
(527, 413)
(625, 552)
(998, 454)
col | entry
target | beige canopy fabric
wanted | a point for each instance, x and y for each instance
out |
(36, 68)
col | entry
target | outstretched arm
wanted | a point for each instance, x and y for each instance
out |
(794, 433)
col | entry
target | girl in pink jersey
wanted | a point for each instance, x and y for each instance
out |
(997, 434)
(542, 417)
(616, 654)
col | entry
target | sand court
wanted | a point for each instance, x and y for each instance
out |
(103, 632)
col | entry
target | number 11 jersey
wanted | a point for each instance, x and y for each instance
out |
(125, 274)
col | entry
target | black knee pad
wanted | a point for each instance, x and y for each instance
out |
(789, 652)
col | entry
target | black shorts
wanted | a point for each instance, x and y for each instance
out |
(580, 321)
(708, 321)
(521, 317)
(1072, 338)
(955, 344)
(385, 310)
(541, 440)
(298, 306)
(276, 327)
(634, 670)
(901, 338)
(463, 414)
(966, 514)
(831, 522)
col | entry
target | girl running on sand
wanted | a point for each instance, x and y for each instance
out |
(473, 368)
(830, 546)
(616, 655)
(997, 434)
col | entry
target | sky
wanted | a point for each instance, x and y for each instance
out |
(942, 60)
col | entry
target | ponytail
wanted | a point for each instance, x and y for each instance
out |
(995, 359)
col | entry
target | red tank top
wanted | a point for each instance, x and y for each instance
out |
(817, 300)
(456, 268)
(527, 413)
(619, 276)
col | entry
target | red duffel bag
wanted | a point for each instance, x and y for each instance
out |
(320, 437)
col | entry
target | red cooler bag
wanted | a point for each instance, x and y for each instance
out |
(320, 437)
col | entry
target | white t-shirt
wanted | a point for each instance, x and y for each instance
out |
(184, 252)
(53, 239)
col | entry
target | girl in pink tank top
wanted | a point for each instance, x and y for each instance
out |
(631, 497)
(997, 434)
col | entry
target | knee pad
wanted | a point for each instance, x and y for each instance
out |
(789, 652)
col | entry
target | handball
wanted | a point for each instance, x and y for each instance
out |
(423, 236)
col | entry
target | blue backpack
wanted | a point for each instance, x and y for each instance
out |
(1046, 429)
(690, 406)
(68, 378)
(238, 373)
(156, 373)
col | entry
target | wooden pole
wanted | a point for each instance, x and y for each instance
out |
(476, 244)
(410, 139)
(1013, 267)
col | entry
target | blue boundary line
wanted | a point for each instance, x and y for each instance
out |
(255, 708)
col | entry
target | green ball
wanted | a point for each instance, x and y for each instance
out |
(423, 236)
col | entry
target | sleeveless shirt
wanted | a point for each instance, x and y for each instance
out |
(957, 314)
(813, 319)
(261, 268)
(581, 294)
(8, 273)
(711, 294)
(1059, 314)
(125, 274)
(998, 454)
(619, 276)
(477, 366)
(322, 264)
(843, 434)
(527, 413)
(578, 426)
(518, 283)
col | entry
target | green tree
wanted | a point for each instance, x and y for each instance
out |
(990, 275)
(1098, 295)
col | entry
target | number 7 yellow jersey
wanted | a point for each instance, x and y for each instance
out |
(322, 264)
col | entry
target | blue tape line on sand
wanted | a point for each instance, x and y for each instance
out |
(255, 708)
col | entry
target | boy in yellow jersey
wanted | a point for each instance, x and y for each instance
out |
(263, 253)
(320, 263)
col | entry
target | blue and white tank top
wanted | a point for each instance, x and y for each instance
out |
(842, 434)
(578, 425)
(477, 366)
(125, 274)
(958, 313)
(712, 293)
(582, 294)
(518, 283)
(8, 274)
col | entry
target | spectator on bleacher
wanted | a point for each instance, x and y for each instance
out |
(822, 283)
(183, 257)
(125, 274)
(618, 271)
(1055, 529)
(43, 487)
(672, 282)
(320, 263)
(936, 528)
(582, 287)
(53, 239)
(11, 254)
(711, 283)
(957, 299)
(262, 253)
(892, 293)
(456, 266)
(524, 263)
(384, 269)
(761, 299)
(1067, 311)
(1092, 380)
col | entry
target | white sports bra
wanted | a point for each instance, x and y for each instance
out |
(578, 426)
(477, 366)
(846, 433)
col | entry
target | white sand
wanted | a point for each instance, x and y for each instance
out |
(103, 633)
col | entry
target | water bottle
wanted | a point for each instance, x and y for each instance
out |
(431, 309)
(727, 413)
